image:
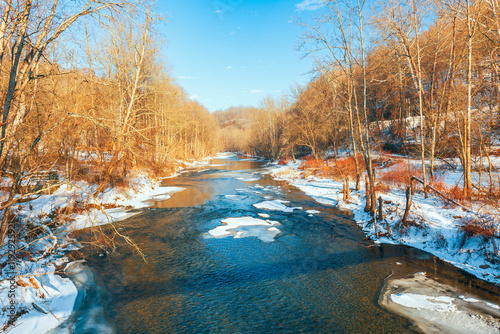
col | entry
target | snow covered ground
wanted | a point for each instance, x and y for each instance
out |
(436, 227)
(43, 298)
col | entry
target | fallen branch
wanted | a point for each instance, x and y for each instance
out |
(443, 195)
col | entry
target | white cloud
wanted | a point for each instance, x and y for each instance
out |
(309, 5)
(229, 67)
(194, 97)
(255, 91)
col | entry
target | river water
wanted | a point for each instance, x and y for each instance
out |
(317, 276)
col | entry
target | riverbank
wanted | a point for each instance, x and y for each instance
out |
(436, 226)
(44, 295)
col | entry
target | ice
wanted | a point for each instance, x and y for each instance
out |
(276, 205)
(437, 307)
(244, 227)
(235, 197)
(419, 302)
(313, 212)
(442, 222)
(225, 155)
(251, 178)
(263, 215)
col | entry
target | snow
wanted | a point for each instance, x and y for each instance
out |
(440, 303)
(128, 200)
(313, 212)
(235, 197)
(48, 298)
(245, 227)
(263, 215)
(437, 307)
(276, 205)
(439, 233)
(252, 178)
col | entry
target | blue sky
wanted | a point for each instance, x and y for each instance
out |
(234, 52)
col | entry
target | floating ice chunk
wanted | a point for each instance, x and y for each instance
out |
(249, 178)
(313, 212)
(276, 205)
(245, 227)
(236, 197)
(263, 215)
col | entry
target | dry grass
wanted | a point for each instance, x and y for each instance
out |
(454, 192)
(338, 169)
(400, 174)
(478, 227)
(283, 161)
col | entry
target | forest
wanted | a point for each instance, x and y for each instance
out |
(85, 93)
(403, 94)
(415, 78)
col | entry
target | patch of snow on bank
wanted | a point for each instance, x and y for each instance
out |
(245, 227)
(419, 302)
(48, 298)
(436, 227)
(437, 307)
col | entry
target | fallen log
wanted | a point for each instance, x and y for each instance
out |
(443, 195)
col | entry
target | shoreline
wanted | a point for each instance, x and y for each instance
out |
(45, 299)
(440, 237)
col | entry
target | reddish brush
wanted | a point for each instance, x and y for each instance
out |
(283, 161)
(400, 174)
(479, 227)
(455, 192)
(335, 169)
(311, 162)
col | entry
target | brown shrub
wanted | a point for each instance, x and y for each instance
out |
(455, 192)
(338, 169)
(283, 161)
(312, 163)
(482, 227)
(400, 174)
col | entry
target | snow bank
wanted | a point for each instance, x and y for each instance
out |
(46, 298)
(245, 227)
(436, 229)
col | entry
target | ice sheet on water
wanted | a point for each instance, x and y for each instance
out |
(244, 227)
(276, 205)
(235, 197)
(249, 178)
(313, 212)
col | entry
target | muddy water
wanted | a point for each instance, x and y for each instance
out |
(318, 276)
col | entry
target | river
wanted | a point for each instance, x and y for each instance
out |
(318, 275)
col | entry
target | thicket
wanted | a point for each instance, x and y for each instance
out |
(85, 93)
(424, 73)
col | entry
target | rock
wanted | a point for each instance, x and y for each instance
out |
(484, 266)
